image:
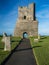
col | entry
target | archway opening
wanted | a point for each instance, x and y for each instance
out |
(25, 35)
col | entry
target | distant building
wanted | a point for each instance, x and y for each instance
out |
(26, 22)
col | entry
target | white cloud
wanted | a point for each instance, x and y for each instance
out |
(9, 19)
(12, 13)
(43, 12)
(44, 28)
(9, 29)
(43, 18)
(8, 24)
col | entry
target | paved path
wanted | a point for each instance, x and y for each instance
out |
(22, 55)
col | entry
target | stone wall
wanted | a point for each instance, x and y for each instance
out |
(26, 21)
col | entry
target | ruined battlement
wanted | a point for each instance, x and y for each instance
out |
(26, 21)
(29, 12)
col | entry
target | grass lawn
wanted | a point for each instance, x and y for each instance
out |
(4, 54)
(41, 50)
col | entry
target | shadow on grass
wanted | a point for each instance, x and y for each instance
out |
(25, 49)
(40, 41)
(18, 50)
(15, 41)
(43, 37)
(3, 63)
(37, 46)
(1, 48)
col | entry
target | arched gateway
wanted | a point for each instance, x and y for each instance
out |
(26, 21)
(25, 35)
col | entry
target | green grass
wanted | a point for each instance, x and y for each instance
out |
(4, 54)
(15, 41)
(41, 50)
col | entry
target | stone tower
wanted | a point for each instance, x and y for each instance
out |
(26, 21)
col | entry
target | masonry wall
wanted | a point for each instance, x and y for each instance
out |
(26, 21)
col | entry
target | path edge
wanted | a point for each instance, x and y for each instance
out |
(34, 52)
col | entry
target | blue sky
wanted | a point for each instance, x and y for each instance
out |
(9, 15)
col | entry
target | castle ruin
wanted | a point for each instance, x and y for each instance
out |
(26, 22)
